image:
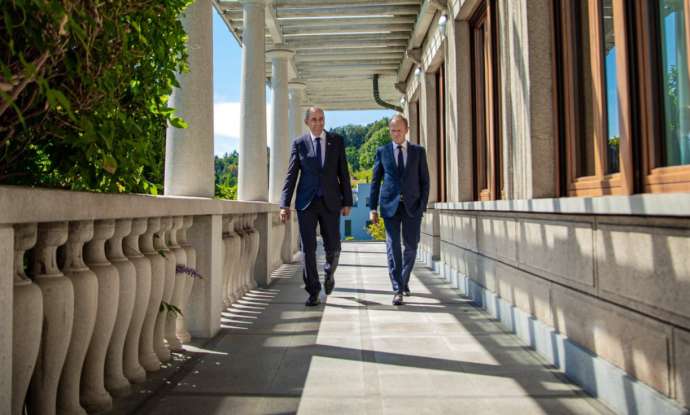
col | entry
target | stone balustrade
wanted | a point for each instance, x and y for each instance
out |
(106, 286)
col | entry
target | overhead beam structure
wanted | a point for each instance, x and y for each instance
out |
(339, 45)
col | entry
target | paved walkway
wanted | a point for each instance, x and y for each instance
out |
(358, 354)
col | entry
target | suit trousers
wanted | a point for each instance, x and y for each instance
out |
(401, 262)
(329, 223)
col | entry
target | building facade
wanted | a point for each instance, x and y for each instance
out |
(558, 142)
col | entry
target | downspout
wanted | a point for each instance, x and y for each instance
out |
(378, 99)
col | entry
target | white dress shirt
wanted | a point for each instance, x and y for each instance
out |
(323, 145)
(404, 151)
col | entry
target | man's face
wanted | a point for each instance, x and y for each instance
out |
(398, 130)
(315, 122)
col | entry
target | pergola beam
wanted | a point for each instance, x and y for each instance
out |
(355, 10)
(346, 29)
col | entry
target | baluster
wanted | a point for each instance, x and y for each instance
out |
(58, 315)
(234, 245)
(178, 290)
(162, 349)
(227, 265)
(278, 238)
(148, 357)
(132, 368)
(27, 318)
(254, 251)
(115, 380)
(182, 332)
(241, 276)
(85, 286)
(94, 396)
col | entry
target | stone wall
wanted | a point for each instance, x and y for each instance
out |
(617, 286)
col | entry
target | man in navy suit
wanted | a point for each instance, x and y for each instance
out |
(404, 195)
(323, 193)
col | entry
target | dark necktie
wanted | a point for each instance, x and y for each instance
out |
(319, 192)
(401, 162)
(318, 151)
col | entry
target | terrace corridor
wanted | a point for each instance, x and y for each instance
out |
(359, 354)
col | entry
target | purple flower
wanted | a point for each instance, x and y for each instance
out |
(181, 269)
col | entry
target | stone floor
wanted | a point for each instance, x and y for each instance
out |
(359, 354)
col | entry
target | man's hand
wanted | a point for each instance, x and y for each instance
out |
(345, 210)
(374, 216)
(284, 215)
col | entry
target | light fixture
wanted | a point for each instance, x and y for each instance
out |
(403, 100)
(442, 20)
(417, 71)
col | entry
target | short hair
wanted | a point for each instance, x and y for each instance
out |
(401, 118)
(310, 109)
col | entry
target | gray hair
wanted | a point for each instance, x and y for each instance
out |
(310, 109)
(401, 118)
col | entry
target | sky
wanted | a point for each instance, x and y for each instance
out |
(227, 68)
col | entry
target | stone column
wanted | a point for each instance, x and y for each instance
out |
(253, 170)
(189, 151)
(280, 134)
(296, 111)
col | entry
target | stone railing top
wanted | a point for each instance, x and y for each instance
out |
(660, 204)
(28, 205)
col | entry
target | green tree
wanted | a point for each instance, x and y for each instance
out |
(368, 151)
(376, 126)
(226, 175)
(84, 90)
(354, 135)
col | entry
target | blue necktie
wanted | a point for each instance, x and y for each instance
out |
(401, 163)
(319, 192)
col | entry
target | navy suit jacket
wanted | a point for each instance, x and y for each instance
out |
(414, 185)
(337, 191)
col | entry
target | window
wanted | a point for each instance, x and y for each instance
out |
(348, 228)
(623, 94)
(355, 198)
(367, 202)
(485, 99)
(441, 134)
(664, 95)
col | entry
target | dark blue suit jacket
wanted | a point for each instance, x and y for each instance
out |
(334, 174)
(414, 185)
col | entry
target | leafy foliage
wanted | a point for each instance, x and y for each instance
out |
(368, 151)
(226, 175)
(84, 88)
(171, 309)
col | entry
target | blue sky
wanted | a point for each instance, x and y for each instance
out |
(227, 68)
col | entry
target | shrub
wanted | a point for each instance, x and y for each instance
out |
(84, 88)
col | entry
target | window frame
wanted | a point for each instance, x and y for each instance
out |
(655, 177)
(484, 73)
(441, 136)
(569, 100)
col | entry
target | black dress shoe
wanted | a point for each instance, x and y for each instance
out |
(312, 301)
(397, 299)
(328, 284)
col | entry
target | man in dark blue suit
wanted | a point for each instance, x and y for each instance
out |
(323, 193)
(404, 195)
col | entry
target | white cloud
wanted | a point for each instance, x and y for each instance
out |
(226, 126)
(226, 119)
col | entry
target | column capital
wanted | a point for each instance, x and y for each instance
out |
(280, 53)
(297, 85)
